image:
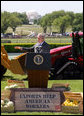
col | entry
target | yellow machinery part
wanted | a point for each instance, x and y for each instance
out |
(16, 65)
(4, 58)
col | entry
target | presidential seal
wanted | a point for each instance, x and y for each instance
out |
(38, 59)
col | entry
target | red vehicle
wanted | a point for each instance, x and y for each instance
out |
(67, 61)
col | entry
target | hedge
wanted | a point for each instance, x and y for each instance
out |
(9, 47)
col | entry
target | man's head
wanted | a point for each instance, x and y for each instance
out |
(40, 37)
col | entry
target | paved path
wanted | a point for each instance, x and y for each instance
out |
(12, 55)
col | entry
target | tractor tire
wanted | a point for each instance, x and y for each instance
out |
(72, 72)
(3, 70)
(54, 76)
(58, 64)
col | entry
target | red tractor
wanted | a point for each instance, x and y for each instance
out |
(67, 61)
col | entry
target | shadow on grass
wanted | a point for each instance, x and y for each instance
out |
(25, 79)
(4, 78)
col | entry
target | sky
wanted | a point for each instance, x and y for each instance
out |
(42, 7)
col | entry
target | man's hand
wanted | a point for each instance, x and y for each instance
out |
(18, 47)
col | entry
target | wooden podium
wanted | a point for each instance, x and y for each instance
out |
(38, 66)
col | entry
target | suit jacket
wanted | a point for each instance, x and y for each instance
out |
(38, 48)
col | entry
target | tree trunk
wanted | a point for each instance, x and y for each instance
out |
(44, 29)
(50, 29)
(14, 31)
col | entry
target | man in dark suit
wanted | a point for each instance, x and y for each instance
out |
(39, 47)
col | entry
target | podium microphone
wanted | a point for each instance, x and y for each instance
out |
(38, 49)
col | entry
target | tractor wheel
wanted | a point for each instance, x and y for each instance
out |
(72, 72)
(3, 70)
(54, 76)
(58, 64)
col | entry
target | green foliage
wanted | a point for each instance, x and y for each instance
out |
(10, 47)
(57, 14)
(47, 20)
(14, 22)
(62, 20)
(5, 21)
(78, 22)
(35, 21)
(72, 17)
(22, 17)
(39, 21)
(62, 23)
(43, 23)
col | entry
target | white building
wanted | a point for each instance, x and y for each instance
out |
(32, 15)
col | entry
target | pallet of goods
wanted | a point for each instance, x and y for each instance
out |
(73, 102)
(6, 104)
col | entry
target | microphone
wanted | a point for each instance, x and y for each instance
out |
(38, 49)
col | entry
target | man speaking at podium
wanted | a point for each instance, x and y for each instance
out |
(40, 47)
(37, 63)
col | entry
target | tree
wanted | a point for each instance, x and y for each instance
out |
(22, 17)
(47, 20)
(39, 21)
(71, 14)
(62, 23)
(43, 23)
(14, 22)
(35, 21)
(56, 14)
(5, 22)
(78, 22)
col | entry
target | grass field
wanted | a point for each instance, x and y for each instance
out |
(75, 85)
(26, 29)
(34, 40)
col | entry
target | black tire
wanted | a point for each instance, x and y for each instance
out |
(54, 76)
(58, 64)
(72, 72)
(3, 70)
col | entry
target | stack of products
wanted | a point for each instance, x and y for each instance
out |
(73, 102)
(6, 104)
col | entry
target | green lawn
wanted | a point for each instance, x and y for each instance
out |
(75, 85)
(26, 29)
(37, 113)
(34, 40)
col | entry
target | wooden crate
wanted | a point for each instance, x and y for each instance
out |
(5, 94)
(60, 85)
(73, 96)
(19, 83)
(70, 109)
(7, 109)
